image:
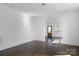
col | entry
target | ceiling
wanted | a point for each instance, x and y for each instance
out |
(51, 10)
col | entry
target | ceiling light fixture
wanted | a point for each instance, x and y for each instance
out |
(43, 4)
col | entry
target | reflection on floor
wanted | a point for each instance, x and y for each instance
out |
(56, 41)
(38, 48)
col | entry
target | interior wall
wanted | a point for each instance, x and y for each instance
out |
(11, 29)
(70, 27)
(16, 28)
(38, 28)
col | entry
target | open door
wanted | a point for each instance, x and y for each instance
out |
(49, 31)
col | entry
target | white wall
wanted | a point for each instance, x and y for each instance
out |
(70, 27)
(11, 28)
(15, 27)
(38, 25)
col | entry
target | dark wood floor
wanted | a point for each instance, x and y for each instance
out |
(38, 48)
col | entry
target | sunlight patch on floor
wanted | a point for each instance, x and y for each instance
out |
(56, 41)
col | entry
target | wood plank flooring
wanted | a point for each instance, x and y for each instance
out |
(39, 48)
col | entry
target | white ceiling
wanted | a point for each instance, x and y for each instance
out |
(51, 10)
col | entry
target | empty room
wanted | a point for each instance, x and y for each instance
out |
(39, 29)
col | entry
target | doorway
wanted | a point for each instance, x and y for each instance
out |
(49, 31)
